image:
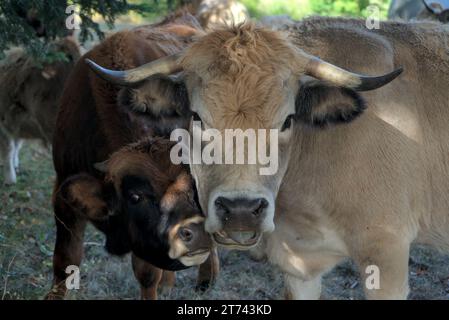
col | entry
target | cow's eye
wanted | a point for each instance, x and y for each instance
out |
(196, 117)
(287, 123)
(135, 198)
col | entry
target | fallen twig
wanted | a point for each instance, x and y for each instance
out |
(7, 276)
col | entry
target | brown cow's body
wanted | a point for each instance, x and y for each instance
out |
(91, 126)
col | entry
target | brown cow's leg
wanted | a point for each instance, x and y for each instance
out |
(68, 247)
(167, 282)
(208, 271)
(148, 276)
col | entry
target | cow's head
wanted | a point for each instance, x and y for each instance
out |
(251, 78)
(146, 205)
(59, 70)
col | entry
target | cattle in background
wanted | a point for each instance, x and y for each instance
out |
(280, 22)
(29, 98)
(437, 10)
(95, 120)
(145, 205)
(363, 167)
(215, 13)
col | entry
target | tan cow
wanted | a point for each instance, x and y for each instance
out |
(362, 173)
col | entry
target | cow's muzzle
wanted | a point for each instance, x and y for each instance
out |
(241, 219)
(189, 242)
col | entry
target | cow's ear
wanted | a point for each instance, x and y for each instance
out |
(156, 97)
(86, 195)
(319, 104)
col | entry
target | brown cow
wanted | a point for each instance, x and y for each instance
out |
(29, 96)
(94, 121)
(362, 170)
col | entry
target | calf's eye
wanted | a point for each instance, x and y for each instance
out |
(196, 117)
(185, 234)
(135, 198)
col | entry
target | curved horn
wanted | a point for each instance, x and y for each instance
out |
(323, 70)
(166, 65)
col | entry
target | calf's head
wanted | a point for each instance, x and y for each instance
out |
(248, 78)
(146, 205)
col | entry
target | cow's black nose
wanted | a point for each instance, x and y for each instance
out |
(241, 208)
(194, 236)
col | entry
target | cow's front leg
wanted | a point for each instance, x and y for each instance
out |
(208, 271)
(299, 289)
(303, 260)
(68, 247)
(9, 172)
(383, 265)
(167, 282)
(148, 276)
(17, 146)
(68, 250)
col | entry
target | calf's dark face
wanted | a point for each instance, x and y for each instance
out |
(137, 212)
(170, 229)
(164, 228)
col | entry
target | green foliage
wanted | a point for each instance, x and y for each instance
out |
(357, 8)
(19, 30)
(294, 8)
(33, 23)
(298, 9)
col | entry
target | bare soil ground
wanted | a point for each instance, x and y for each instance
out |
(27, 235)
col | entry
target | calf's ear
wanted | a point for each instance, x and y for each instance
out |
(86, 195)
(156, 97)
(319, 104)
(91, 198)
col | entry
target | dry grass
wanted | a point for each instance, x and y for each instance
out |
(27, 236)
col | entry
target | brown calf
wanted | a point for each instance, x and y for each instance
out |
(148, 206)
